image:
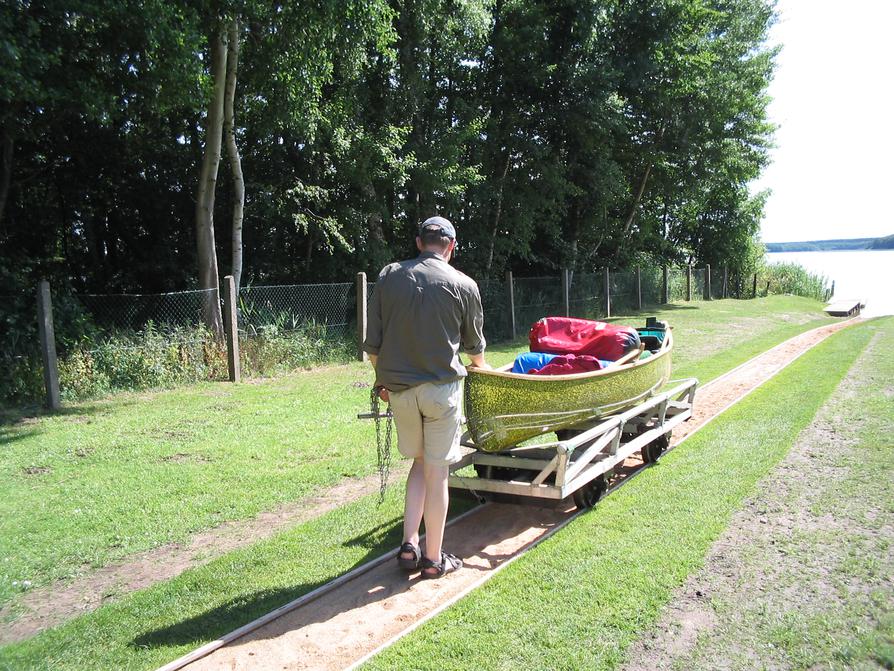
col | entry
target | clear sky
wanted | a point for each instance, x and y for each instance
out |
(833, 99)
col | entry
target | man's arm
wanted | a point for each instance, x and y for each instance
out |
(383, 393)
(472, 329)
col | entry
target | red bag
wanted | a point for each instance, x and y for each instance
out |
(568, 335)
(566, 364)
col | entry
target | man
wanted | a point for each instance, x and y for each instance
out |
(422, 312)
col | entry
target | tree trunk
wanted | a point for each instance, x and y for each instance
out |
(233, 152)
(631, 216)
(207, 253)
(6, 152)
(493, 236)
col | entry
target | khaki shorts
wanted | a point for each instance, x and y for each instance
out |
(428, 418)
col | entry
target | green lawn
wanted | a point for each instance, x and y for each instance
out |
(106, 479)
(147, 628)
(580, 598)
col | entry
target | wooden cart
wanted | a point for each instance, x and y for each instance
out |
(580, 462)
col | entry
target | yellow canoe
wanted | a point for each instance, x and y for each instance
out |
(504, 409)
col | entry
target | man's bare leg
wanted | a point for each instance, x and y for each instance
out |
(414, 504)
(435, 510)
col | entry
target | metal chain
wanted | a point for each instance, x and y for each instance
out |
(383, 447)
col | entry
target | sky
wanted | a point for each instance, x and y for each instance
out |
(832, 174)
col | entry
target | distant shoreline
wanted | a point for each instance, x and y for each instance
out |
(854, 244)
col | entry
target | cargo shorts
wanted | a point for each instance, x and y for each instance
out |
(428, 418)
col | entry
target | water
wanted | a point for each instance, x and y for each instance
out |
(865, 275)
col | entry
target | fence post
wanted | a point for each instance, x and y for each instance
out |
(688, 281)
(231, 329)
(566, 291)
(665, 293)
(510, 289)
(754, 288)
(608, 293)
(48, 345)
(725, 292)
(639, 289)
(361, 315)
(707, 281)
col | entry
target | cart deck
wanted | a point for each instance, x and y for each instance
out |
(577, 464)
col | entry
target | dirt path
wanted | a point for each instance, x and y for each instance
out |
(802, 577)
(51, 605)
(351, 622)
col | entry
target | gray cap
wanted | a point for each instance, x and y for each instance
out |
(441, 224)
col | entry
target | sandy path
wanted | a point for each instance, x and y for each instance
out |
(359, 617)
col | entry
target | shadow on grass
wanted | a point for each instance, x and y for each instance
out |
(26, 415)
(227, 617)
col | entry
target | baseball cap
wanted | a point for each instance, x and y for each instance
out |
(441, 224)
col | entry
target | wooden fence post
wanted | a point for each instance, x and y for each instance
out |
(566, 291)
(665, 289)
(608, 293)
(231, 329)
(48, 345)
(725, 292)
(361, 315)
(639, 289)
(754, 288)
(688, 281)
(510, 289)
(707, 281)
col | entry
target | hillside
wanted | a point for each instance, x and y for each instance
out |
(832, 245)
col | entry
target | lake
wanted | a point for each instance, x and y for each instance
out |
(866, 275)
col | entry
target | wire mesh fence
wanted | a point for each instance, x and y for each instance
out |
(586, 295)
(329, 308)
(497, 314)
(624, 294)
(126, 341)
(21, 371)
(651, 286)
(134, 312)
(536, 297)
(676, 284)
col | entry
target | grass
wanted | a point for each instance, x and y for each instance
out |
(580, 577)
(579, 599)
(838, 553)
(151, 627)
(107, 479)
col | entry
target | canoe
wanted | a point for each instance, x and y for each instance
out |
(503, 409)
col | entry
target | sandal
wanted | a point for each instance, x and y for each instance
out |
(448, 564)
(405, 562)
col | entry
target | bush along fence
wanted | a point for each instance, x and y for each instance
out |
(85, 346)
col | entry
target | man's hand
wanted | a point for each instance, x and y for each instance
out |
(383, 394)
(479, 362)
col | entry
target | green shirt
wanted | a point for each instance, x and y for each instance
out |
(422, 312)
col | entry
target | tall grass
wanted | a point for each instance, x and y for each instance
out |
(791, 278)
(128, 360)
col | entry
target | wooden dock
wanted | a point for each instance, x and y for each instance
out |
(846, 307)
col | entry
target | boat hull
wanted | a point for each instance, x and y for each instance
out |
(504, 409)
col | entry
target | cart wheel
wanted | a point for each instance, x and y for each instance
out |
(653, 450)
(588, 495)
